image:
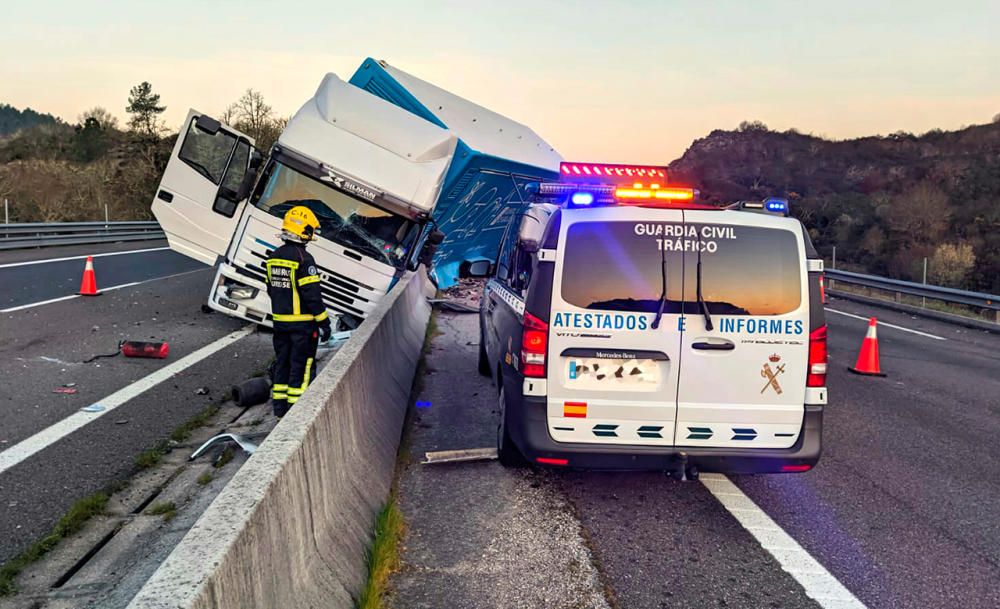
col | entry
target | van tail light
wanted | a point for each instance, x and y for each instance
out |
(796, 468)
(534, 345)
(552, 461)
(822, 289)
(817, 358)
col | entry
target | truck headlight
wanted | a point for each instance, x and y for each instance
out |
(241, 291)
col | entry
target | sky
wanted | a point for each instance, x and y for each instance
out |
(627, 81)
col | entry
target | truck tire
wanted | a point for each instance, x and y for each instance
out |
(484, 361)
(252, 392)
(507, 452)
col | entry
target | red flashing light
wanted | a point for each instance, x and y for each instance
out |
(816, 376)
(600, 172)
(551, 461)
(796, 468)
(534, 345)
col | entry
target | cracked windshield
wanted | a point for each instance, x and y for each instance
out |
(342, 218)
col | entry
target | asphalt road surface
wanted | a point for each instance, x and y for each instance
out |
(39, 276)
(903, 509)
(44, 347)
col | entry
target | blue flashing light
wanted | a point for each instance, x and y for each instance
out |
(776, 206)
(582, 198)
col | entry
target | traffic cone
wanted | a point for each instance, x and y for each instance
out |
(868, 357)
(88, 287)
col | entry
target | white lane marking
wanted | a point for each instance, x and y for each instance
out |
(111, 289)
(819, 584)
(57, 431)
(47, 260)
(882, 323)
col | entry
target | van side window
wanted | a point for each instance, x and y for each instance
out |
(206, 153)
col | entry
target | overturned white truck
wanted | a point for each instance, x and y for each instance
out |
(383, 160)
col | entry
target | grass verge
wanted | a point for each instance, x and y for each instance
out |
(71, 522)
(167, 509)
(383, 558)
(183, 432)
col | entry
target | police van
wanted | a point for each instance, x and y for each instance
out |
(627, 326)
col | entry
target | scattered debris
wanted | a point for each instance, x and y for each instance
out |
(247, 446)
(122, 422)
(117, 351)
(93, 408)
(456, 456)
(201, 391)
(142, 349)
(64, 390)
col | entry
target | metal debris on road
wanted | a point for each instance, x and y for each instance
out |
(201, 391)
(457, 456)
(64, 390)
(247, 446)
(93, 408)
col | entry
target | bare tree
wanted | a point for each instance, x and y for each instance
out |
(251, 112)
(103, 117)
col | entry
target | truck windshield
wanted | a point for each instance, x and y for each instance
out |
(343, 219)
(747, 270)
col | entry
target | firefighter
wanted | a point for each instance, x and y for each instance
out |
(300, 317)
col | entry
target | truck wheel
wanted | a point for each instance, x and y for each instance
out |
(484, 361)
(507, 452)
(252, 392)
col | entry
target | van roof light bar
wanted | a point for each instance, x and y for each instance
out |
(603, 173)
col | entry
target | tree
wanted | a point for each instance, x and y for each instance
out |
(104, 118)
(255, 117)
(90, 142)
(145, 108)
(746, 126)
(951, 264)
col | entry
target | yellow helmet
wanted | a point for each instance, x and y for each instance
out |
(301, 222)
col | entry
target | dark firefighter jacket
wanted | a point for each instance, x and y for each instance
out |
(293, 284)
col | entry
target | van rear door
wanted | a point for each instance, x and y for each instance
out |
(195, 202)
(612, 377)
(742, 381)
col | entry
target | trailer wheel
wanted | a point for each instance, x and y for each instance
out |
(252, 392)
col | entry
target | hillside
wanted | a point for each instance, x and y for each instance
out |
(885, 202)
(13, 120)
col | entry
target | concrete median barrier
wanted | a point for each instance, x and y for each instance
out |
(292, 528)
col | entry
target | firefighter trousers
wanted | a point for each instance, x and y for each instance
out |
(294, 367)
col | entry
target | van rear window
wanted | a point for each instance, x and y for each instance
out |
(746, 270)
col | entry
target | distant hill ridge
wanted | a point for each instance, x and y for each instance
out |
(13, 120)
(754, 162)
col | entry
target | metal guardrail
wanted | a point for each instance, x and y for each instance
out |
(979, 300)
(45, 234)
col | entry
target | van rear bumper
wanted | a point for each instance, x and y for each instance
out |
(529, 431)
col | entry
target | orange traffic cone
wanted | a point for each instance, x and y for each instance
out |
(868, 357)
(88, 287)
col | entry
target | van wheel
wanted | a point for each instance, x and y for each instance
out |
(507, 452)
(484, 362)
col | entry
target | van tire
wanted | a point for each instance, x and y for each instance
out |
(484, 361)
(507, 452)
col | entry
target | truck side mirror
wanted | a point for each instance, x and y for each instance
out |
(434, 239)
(477, 268)
(207, 124)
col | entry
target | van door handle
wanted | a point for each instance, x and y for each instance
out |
(707, 346)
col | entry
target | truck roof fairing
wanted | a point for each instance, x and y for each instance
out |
(369, 138)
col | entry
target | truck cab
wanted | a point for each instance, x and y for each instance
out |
(628, 326)
(388, 178)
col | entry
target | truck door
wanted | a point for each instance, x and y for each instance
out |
(196, 202)
(742, 381)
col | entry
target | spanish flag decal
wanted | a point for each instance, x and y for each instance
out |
(575, 409)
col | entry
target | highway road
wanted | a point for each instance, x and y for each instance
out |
(52, 452)
(903, 510)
